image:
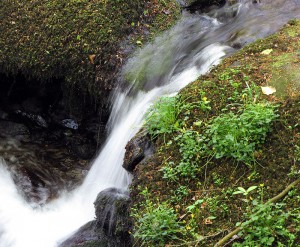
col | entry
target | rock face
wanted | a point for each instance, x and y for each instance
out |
(46, 147)
(137, 149)
(202, 5)
(112, 224)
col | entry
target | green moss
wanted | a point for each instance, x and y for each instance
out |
(207, 205)
(78, 40)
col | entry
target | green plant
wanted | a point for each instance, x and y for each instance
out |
(204, 103)
(243, 191)
(156, 224)
(162, 117)
(237, 135)
(266, 227)
(191, 145)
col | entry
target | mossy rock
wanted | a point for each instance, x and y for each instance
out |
(273, 61)
(77, 40)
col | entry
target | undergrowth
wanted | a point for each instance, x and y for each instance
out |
(225, 135)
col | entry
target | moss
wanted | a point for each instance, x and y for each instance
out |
(216, 179)
(78, 40)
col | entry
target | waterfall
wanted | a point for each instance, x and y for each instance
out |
(172, 61)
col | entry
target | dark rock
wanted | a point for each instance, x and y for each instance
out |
(112, 212)
(112, 224)
(203, 5)
(32, 118)
(137, 149)
(15, 130)
(81, 146)
(87, 235)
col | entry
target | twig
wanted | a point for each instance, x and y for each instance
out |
(272, 200)
(199, 240)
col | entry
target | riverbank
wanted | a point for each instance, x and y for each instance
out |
(196, 187)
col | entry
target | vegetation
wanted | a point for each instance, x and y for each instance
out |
(158, 225)
(224, 148)
(79, 41)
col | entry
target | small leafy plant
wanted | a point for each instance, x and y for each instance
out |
(237, 135)
(157, 224)
(162, 117)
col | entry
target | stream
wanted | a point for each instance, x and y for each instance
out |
(176, 58)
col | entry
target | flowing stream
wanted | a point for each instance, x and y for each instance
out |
(172, 61)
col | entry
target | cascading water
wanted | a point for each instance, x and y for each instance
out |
(175, 59)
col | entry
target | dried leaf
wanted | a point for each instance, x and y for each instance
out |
(267, 51)
(268, 90)
(208, 221)
(91, 58)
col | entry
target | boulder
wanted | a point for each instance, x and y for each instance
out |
(112, 225)
(137, 149)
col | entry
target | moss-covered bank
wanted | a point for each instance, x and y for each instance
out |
(210, 190)
(79, 41)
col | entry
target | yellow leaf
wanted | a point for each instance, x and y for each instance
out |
(268, 90)
(267, 51)
(91, 58)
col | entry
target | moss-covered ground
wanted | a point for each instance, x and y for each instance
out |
(207, 204)
(80, 41)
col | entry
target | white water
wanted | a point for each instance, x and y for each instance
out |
(25, 226)
(180, 56)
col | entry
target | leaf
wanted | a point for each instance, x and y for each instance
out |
(251, 188)
(241, 189)
(138, 42)
(237, 192)
(91, 58)
(268, 90)
(266, 52)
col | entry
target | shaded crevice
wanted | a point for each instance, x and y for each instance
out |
(45, 139)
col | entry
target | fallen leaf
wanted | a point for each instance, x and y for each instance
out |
(91, 58)
(208, 221)
(267, 51)
(268, 90)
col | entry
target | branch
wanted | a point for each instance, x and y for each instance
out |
(272, 200)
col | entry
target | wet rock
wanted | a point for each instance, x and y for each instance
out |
(112, 224)
(137, 149)
(33, 118)
(14, 130)
(87, 235)
(203, 5)
(112, 212)
(81, 146)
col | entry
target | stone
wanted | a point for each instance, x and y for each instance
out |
(112, 225)
(137, 149)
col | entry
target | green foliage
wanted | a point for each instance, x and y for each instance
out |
(243, 191)
(237, 135)
(266, 227)
(191, 145)
(157, 224)
(162, 117)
